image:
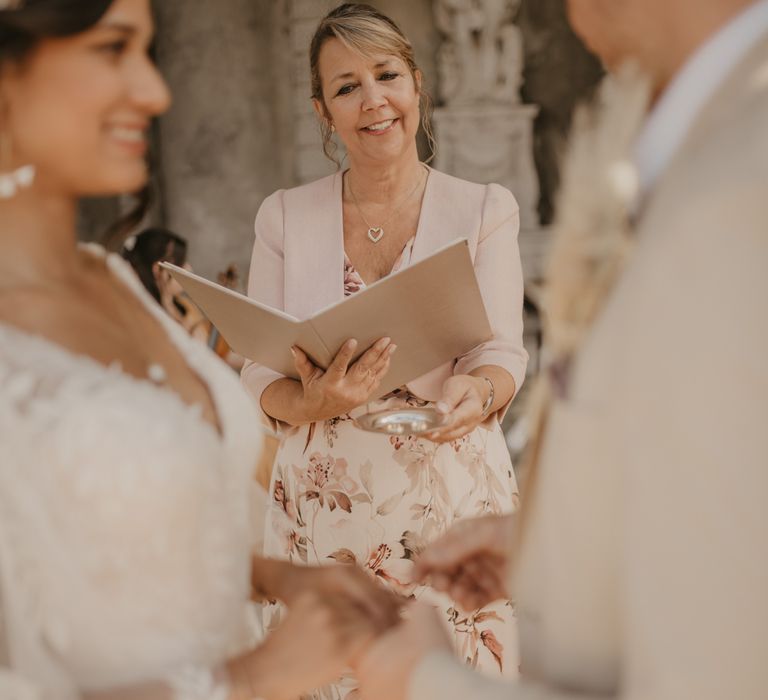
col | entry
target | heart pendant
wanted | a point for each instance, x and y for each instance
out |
(375, 234)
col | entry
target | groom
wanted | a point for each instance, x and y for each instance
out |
(644, 566)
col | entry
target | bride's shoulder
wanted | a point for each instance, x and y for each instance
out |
(32, 317)
(23, 312)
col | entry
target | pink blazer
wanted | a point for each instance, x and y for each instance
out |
(298, 264)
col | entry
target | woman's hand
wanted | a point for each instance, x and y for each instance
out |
(462, 402)
(288, 583)
(320, 638)
(471, 561)
(385, 670)
(342, 387)
(192, 319)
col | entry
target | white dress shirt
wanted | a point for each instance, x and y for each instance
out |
(691, 89)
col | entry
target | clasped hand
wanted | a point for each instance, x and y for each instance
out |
(339, 617)
(338, 622)
(335, 613)
(344, 385)
(470, 563)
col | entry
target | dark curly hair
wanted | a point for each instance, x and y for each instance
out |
(34, 20)
(151, 246)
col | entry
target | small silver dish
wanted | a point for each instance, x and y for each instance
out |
(402, 421)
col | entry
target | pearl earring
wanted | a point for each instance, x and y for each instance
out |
(12, 181)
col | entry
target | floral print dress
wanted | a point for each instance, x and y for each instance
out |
(341, 494)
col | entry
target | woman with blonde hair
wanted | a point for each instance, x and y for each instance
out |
(339, 493)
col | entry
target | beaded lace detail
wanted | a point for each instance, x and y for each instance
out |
(125, 523)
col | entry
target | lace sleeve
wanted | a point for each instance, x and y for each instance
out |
(12, 684)
(194, 683)
(16, 687)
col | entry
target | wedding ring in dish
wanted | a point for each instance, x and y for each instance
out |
(402, 421)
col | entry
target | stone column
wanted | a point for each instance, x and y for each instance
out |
(483, 131)
(491, 143)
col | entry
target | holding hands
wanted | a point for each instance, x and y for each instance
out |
(471, 561)
(385, 670)
(339, 617)
(334, 614)
(322, 636)
(271, 578)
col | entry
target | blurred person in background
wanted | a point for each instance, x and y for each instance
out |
(145, 251)
(127, 449)
(643, 568)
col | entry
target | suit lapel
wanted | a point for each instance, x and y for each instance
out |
(748, 79)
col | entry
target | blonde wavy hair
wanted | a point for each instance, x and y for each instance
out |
(366, 31)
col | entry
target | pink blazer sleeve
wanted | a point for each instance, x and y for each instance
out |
(266, 285)
(500, 277)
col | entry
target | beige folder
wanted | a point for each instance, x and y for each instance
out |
(432, 310)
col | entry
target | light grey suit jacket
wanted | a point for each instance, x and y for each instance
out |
(644, 573)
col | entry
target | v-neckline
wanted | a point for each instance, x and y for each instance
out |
(396, 266)
(414, 240)
(218, 429)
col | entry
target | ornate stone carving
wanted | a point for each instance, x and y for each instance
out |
(481, 58)
(491, 144)
(484, 133)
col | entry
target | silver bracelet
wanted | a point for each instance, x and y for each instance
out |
(489, 401)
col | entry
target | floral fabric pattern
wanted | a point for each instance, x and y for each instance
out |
(340, 494)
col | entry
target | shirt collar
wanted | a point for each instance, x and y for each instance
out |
(673, 116)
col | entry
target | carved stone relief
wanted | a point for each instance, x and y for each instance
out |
(484, 132)
(481, 59)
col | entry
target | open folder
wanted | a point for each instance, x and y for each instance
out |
(432, 310)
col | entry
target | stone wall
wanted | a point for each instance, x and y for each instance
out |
(241, 127)
(219, 154)
(559, 73)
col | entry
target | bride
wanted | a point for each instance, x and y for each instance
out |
(126, 449)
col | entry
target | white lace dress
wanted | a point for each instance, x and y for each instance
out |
(125, 523)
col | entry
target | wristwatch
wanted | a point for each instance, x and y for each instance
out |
(491, 395)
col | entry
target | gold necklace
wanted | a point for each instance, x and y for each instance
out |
(376, 233)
